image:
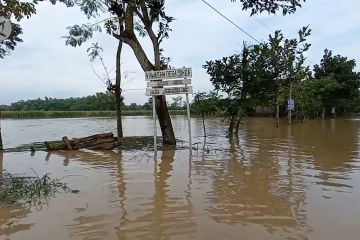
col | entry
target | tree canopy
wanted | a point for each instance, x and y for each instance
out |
(16, 10)
(271, 6)
(342, 71)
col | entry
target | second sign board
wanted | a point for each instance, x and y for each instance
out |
(169, 83)
(169, 91)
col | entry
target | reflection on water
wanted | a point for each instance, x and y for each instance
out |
(292, 182)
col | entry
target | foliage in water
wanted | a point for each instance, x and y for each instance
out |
(27, 190)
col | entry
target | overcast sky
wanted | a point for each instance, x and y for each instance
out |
(43, 66)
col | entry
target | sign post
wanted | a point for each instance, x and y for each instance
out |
(169, 82)
(189, 122)
(154, 118)
(291, 105)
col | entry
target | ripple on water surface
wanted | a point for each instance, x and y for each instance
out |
(292, 182)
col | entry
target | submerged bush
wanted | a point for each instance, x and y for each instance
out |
(28, 190)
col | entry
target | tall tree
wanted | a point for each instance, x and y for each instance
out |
(280, 64)
(232, 76)
(206, 104)
(95, 52)
(149, 19)
(262, 73)
(225, 75)
(342, 71)
(318, 94)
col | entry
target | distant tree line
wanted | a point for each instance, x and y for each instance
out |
(99, 101)
(102, 101)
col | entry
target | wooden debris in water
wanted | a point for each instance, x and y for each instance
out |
(103, 141)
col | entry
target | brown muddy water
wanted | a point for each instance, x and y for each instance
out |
(295, 182)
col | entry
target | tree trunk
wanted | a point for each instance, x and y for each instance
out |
(238, 123)
(165, 121)
(232, 123)
(203, 121)
(1, 163)
(323, 113)
(118, 98)
(277, 115)
(1, 143)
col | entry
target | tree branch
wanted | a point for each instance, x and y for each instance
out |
(145, 19)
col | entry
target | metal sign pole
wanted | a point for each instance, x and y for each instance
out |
(154, 118)
(164, 82)
(189, 123)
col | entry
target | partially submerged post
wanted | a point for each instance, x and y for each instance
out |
(189, 121)
(1, 163)
(154, 118)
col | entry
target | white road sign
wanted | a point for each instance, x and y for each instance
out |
(169, 83)
(291, 105)
(168, 74)
(169, 91)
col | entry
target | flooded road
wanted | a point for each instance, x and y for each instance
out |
(295, 182)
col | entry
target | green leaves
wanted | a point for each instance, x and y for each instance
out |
(92, 8)
(19, 10)
(80, 34)
(94, 51)
(206, 103)
(342, 71)
(140, 29)
(28, 190)
(9, 44)
(225, 74)
(111, 26)
(270, 6)
(262, 73)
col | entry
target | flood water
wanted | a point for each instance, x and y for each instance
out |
(294, 182)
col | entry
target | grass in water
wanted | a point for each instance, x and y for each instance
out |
(28, 190)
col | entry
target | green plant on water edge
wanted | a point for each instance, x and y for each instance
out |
(26, 190)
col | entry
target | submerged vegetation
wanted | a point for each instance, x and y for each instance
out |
(270, 75)
(26, 190)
